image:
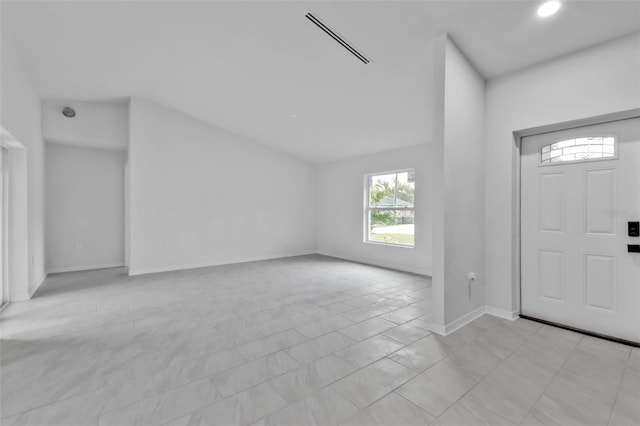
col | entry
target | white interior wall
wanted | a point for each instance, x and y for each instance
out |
(596, 81)
(200, 196)
(20, 117)
(341, 215)
(600, 80)
(437, 184)
(96, 124)
(464, 170)
(458, 179)
(84, 207)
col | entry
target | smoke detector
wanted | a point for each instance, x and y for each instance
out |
(68, 112)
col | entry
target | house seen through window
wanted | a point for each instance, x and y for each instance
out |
(390, 210)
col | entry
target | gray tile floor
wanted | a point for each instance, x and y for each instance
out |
(298, 341)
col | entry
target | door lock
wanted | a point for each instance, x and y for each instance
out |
(634, 229)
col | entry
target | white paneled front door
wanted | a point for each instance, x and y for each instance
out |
(580, 188)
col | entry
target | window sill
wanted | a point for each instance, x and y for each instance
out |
(376, 243)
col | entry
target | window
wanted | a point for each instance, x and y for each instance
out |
(390, 208)
(579, 149)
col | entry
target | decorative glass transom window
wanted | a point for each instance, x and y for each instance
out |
(579, 149)
(390, 209)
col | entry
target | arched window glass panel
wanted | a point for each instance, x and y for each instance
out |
(579, 149)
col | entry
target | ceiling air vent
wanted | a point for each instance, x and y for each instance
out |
(336, 37)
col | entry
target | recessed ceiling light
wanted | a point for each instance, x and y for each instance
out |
(548, 8)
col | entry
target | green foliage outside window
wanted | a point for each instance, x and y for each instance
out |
(391, 208)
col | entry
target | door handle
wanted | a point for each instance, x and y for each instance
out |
(633, 248)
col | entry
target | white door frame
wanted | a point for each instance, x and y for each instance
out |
(4, 225)
(18, 223)
(518, 136)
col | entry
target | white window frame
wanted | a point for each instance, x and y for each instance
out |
(368, 209)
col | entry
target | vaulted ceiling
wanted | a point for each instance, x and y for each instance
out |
(260, 69)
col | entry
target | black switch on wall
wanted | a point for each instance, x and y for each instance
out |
(634, 229)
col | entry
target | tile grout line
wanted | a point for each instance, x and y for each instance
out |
(624, 372)
(553, 378)
(380, 289)
(344, 377)
(525, 340)
(408, 368)
(302, 365)
(289, 371)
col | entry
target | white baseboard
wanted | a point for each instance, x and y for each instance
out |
(84, 267)
(465, 319)
(438, 329)
(155, 269)
(501, 313)
(388, 265)
(37, 284)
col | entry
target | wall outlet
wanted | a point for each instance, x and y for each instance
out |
(471, 276)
